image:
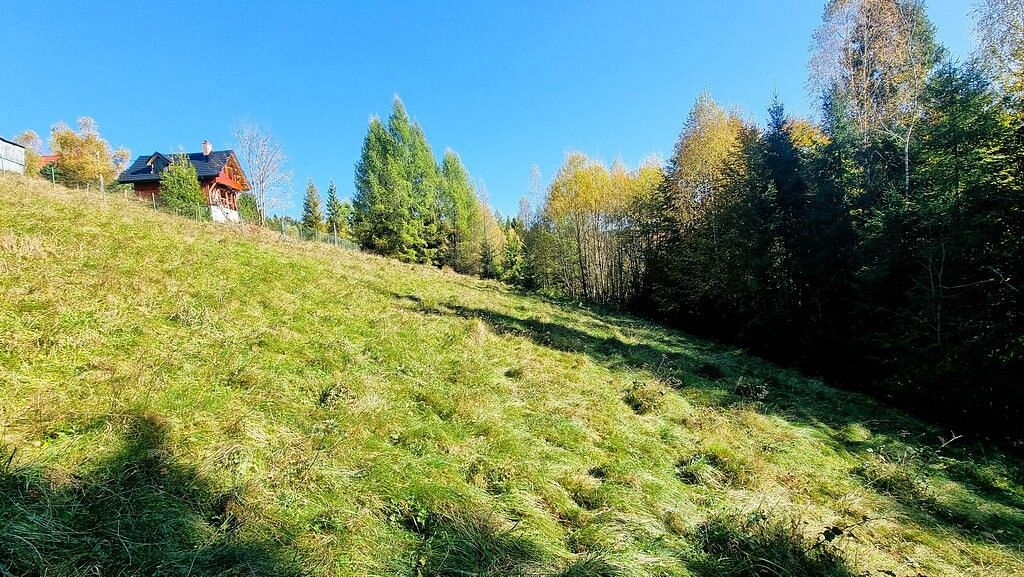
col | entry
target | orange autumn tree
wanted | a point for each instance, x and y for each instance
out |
(83, 156)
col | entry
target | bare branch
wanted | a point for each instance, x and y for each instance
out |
(265, 162)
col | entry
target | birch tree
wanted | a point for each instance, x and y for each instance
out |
(999, 32)
(265, 164)
(33, 151)
(878, 54)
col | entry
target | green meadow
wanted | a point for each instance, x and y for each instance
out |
(186, 398)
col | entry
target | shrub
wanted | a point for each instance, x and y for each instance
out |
(759, 545)
(643, 397)
(248, 208)
(179, 188)
(752, 389)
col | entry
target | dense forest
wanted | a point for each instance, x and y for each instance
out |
(881, 246)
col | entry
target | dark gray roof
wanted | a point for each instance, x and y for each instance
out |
(11, 142)
(143, 171)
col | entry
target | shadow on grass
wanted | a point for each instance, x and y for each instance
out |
(832, 412)
(455, 542)
(757, 545)
(136, 512)
(656, 355)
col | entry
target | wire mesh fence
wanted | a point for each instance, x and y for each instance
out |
(295, 230)
(286, 228)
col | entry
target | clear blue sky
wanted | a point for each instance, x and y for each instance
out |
(506, 84)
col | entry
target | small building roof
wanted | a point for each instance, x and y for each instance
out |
(11, 142)
(143, 169)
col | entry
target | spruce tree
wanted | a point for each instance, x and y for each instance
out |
(338, 213)
(382, 217)
(312, 215)
(513, 264)
(407, 206)
(418, 169)
(425, 178)
(460, 223)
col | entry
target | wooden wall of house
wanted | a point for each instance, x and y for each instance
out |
(149, 190)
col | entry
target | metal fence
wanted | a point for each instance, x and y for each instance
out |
(300, 232)
(200, 213)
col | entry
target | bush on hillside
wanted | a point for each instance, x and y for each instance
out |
(180, 190)
(248, 208)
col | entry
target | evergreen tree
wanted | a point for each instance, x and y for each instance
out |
(382, 216)
(883, 247)
(787, 222)
(834, 180)
(420, 172)
(180, 190)
(941, 261)
(513, 263)
(249, 208)
(459, 223)
(338, 213)
(406, 205)
(541, 258)
(312, 215)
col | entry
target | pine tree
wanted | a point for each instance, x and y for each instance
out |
(382, 217)
(338, 213)
(422, 179)
(459, 222)
(312, 215)
(513, 264)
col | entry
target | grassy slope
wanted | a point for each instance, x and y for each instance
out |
(185, 398)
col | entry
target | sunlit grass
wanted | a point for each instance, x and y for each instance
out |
(188, 398)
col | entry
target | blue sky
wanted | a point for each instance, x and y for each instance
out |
(505, 84)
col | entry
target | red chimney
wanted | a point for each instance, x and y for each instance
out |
(207, 148)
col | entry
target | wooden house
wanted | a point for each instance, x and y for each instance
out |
(220, 176)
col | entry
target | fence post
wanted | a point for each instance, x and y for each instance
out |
(153, 194)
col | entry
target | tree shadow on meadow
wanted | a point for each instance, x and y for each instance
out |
(454, 540)
(761, 545)
(135, 512)
(657, 354)
(981, 508)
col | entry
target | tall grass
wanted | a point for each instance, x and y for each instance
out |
(184, 398)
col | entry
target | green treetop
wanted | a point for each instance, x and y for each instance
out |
(312, 215)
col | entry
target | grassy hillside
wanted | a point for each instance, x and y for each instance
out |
(181, 398)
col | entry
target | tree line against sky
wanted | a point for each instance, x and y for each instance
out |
(881, 246)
